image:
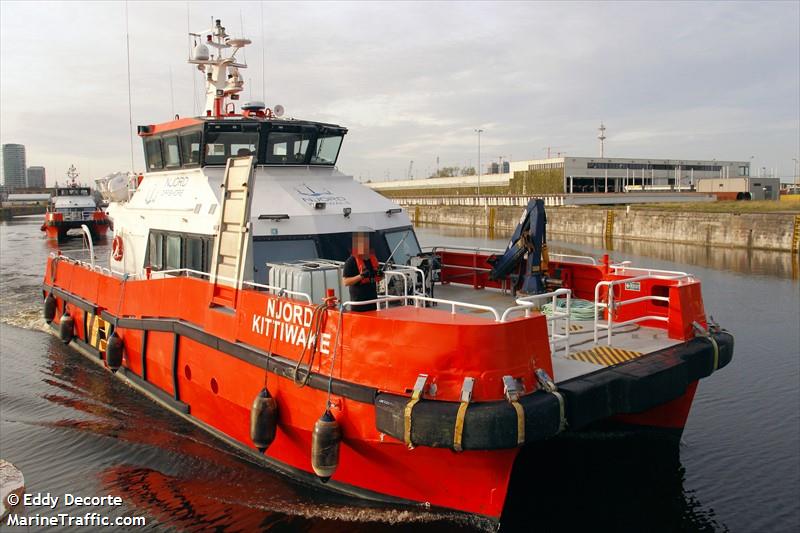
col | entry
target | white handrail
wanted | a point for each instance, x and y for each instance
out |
(94, 268)
(279, 290)
(397, 270)
(416, 298)
(87, 235)
(527, 302)
(649, 271)
(391, 273)
(474, 249)
(611, 305)
(589, 259)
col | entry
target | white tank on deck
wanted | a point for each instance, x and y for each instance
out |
(114, 187)
(310, 277)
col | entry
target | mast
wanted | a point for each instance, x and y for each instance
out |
(602, 138)
(221, 72)
(72, 176)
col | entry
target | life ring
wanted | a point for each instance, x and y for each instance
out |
(116, 248)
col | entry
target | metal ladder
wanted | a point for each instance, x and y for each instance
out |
(227, 259)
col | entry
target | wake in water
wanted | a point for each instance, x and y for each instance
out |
(23, 255)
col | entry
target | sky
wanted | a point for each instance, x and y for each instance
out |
(413, 81)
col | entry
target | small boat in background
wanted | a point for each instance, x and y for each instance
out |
(72, 207)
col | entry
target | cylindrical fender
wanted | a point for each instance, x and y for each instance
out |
(49, 310)
(66, 328)
(114, 352)
(325, 441)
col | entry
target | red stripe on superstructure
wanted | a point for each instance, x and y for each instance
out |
(173, 125)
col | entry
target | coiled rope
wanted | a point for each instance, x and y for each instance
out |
(311, 346)
(578, 309)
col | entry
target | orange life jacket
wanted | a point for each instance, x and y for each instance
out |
(361, 266)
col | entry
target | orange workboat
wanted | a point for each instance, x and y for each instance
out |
(223, 301)
(72, 207)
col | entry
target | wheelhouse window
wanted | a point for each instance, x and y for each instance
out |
(172, 152)
(190, 148)
(169, 250)
(230, 140)
(73, 191)
(156, 251)
(327, 149)
(403, 243)
(172, 258)
(271, 142)
(196, 254)
(152, 153)
(285, 148)
(221, 146)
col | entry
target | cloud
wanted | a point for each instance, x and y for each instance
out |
(413, 80)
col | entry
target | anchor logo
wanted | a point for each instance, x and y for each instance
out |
(311, 192)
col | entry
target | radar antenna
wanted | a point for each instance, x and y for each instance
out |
(72, 176)
(221, 71)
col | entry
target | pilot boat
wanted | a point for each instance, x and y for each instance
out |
(223, 301)
(72, 207)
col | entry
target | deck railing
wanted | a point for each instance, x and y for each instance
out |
(612, 305)
(385, 300)
(495, 251)
(525, 305)
(402, 271)
(94, 268)
(558, 317)
(275, 290)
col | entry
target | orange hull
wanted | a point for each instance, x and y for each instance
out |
(209, 364)
(217, 389)
(55, 227)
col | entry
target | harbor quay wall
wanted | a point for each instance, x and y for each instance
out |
(7, 213)
(764, 231)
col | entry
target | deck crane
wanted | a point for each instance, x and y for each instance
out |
(526, 255)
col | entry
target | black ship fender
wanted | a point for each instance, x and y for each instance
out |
(66, 328)
(632, 387)
(49, 308)
(263, 420)
(114, 351)
(325, 442)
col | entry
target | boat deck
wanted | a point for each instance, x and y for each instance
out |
(583, 356)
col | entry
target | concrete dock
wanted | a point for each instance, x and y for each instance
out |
(12, 487)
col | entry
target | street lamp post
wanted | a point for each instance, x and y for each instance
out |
(796, 171)
(479, 131)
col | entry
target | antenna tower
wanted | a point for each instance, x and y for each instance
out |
(602, 137)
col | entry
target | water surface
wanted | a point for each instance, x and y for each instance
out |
(71, 428)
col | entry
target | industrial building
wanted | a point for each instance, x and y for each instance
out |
(741, 188)
(562, 175)
(588, 174)
(36, 177)
(14, 168)
(27, 199)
